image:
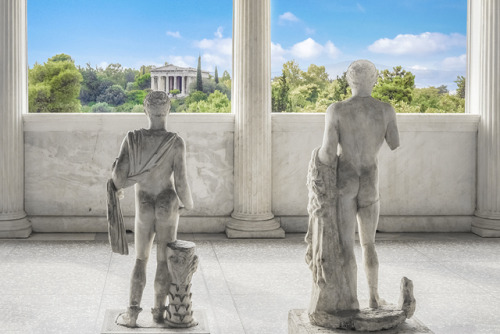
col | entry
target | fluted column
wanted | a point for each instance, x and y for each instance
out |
(13, 103)
(251, 103)
(487, 220)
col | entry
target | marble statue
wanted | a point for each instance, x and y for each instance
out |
(343, 189)
(154, 160)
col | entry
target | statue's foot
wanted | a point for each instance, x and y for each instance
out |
(129, 318)
(377, 302)
(158, 314)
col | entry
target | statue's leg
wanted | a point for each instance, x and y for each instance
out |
(167, 217)
(348, 185)
(347, 230)
(368, 214)
(144, 235)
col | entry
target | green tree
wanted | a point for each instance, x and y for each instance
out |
(279, 90)
(217, 102)
(143, 81)
(216, 75)
(316, 75)
(174, 92)
(196, 96)
(426, 98)
(341, 89)
(396, 85)
(54, 86)
(199, 81)
(114, 95)
(136, 96)
(101, 107)
(93, 84)
(460, 86)
(294, 74)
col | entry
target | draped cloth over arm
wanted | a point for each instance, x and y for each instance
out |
(332, 282)
(141, 163)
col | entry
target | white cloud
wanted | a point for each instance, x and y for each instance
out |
(174, 34)
(418, 68)
(309, 48)
(182, 61)
(222, 46)
(218, 33)
(454, 63)
(331, 49)
(288, 17)
(310, 31)
(103, 64)
(425, 43)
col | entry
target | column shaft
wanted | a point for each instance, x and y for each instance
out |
(13, 103)
(487, 220)
(251, 104)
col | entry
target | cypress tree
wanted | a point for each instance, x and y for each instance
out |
(199, 82)
(216, 76)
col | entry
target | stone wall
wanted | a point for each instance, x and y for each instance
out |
(428, 184)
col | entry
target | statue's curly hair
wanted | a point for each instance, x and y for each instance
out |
(157, 98)
(362, 66)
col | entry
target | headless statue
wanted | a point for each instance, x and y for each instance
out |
(343, 191)
(153, 160)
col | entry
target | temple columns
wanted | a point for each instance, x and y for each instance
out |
(13, 104)
(251, 103)
(484, 98)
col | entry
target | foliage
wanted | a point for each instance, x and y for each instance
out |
(196, 96)
(54, 86)
(114, 95)
(217, 102)
(101, 107)
(216, 76)
(136, 96)
(460, 86)
(396, 85)
(199, 81)
(279, 91)
(174, 92)
(143, 81)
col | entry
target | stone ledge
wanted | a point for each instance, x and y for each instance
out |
(298, 323)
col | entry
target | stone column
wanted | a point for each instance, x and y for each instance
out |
(13, 104)
(251, 103)
(485, 26)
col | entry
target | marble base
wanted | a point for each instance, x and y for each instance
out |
(18, 228)
(299, 323)
(260, 229)
(146, 324)
(486, 228)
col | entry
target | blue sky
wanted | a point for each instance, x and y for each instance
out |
(426, 37)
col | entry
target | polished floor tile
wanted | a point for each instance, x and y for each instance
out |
(64, 284)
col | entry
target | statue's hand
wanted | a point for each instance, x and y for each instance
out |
(120, 194)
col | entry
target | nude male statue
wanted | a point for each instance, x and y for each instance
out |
(155, 161)
(358, 127)
(343, 188)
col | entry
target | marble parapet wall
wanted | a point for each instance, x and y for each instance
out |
(68, 159)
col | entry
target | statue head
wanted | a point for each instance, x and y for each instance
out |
(157, 104)
(361, 77)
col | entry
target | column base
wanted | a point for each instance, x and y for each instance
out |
(247, 229)
(486, 228)
(17, 228)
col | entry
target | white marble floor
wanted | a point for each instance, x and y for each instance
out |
(63, 283)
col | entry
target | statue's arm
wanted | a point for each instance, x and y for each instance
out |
(328, 152)
(180, 175)
(121, 167)
(392, 133)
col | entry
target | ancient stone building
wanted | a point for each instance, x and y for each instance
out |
(170, 77)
